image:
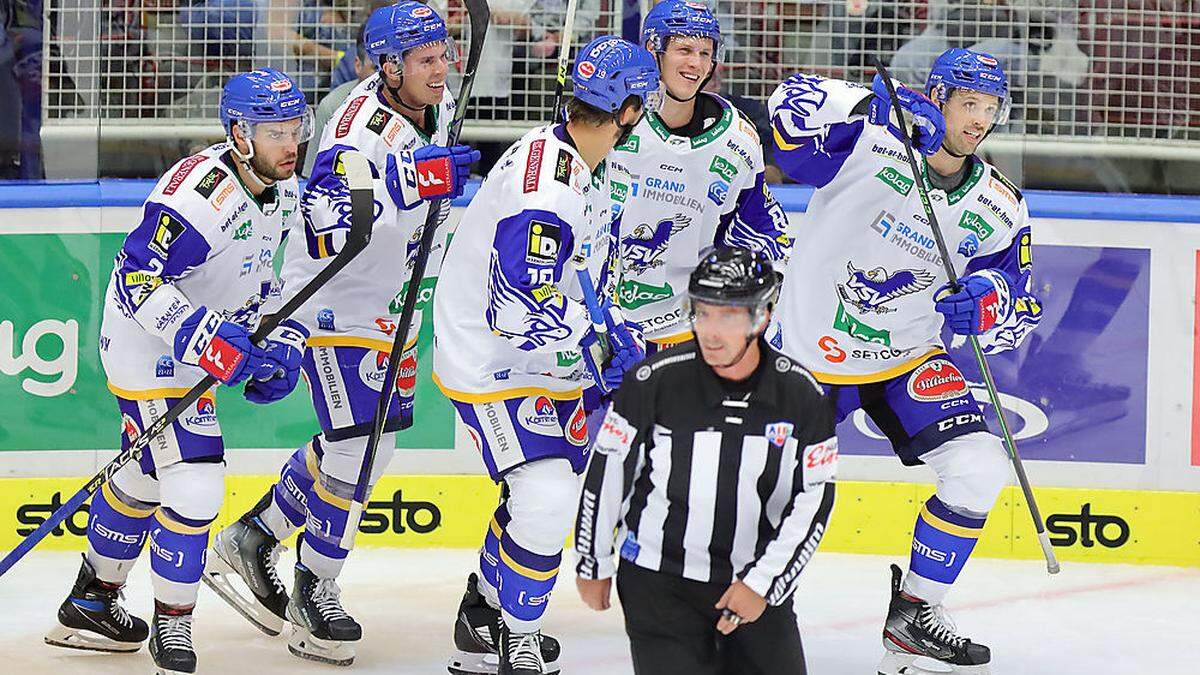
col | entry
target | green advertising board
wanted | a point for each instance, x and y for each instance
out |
(54, 390)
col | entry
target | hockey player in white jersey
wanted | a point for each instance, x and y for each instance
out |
(510, 325)
(698, 178)
(188, 287)
(399, 120)
(866, 297)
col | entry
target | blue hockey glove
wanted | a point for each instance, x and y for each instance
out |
(285, 347)
(930, 124)
(222, 348)
(428, 173)
(610, 355)
(984, 299)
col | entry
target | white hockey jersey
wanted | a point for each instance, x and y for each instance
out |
(688, 194)
(858, 294)
(359, 306)
(508, 313)
(203, 240)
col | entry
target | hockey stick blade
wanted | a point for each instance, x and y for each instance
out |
(358, 177)
(1052, 565)
(480, 16)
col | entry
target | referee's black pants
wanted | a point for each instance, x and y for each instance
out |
(672, 627)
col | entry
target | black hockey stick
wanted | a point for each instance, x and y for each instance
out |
(480, 16)
(564, 61)
(362, 200)
(1010, 444)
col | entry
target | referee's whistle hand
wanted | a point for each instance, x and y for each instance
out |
(741, 601)
(595, 592)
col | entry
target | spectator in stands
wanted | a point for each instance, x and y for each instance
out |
(364, 67)
(348, 67)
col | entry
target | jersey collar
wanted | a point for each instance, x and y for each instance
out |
(660, 129)
(961, 191)
(764, 392)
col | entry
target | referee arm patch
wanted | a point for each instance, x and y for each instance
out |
(820, 462)
(616, 434)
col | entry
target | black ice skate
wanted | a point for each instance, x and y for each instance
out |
(92, 618)
(476, 633)
(247, 550)
(171, 640)
(321, 629)
(521, 653)
(917, 632)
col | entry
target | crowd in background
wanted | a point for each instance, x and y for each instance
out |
(1078, 67)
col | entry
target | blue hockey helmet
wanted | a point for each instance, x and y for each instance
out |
(609, 70)
(966, 69)
(688, 19)
(393, 30)
(263, 95)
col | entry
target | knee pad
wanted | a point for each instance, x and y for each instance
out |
(544, 495)
(972, 470)
(342, 460)
(193, 490)
(133, 487)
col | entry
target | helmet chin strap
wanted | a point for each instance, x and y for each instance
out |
(260, 182)
(395, 93)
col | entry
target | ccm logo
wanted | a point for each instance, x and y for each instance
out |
(959, 420)
(1087, 528)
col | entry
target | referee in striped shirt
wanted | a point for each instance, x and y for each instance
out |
(714, 470)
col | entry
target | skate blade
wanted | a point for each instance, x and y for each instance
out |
(473, 663)
(895, 663)
(218, 575)
(159, 670)
(301, 643)
(73, 638)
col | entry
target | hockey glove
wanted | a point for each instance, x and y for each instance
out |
(222, 348)
(983, 300)
(428, 173)
(930, 125)
(608, 357)
(285, 347)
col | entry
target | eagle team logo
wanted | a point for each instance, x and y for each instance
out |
(643, 248)
(870, 290)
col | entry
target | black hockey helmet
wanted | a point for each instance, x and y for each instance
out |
(735, 276)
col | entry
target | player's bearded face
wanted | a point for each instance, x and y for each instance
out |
(424, 79)
(721, 332)
(969, 115)
(685, 63)
(275, 149)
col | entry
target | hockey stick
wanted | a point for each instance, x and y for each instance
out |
(362, 200)
(564, 61)
(480, 16)
(1010, 444)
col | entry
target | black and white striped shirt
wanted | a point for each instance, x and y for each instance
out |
(711, 480)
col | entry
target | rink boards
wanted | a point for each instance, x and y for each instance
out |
(1118, 278)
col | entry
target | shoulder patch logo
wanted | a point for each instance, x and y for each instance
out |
(343, 125)
(168, 230)
(208, 184)
(544, 241)
(562, 167)
(533, 165)
(379, 121)
(181, 173)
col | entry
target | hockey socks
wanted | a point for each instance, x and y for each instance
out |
(489, 555)
(289, 496)
(177, 546)
(942, 543)
(526, 581)
(116, 533)
(321, 547)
